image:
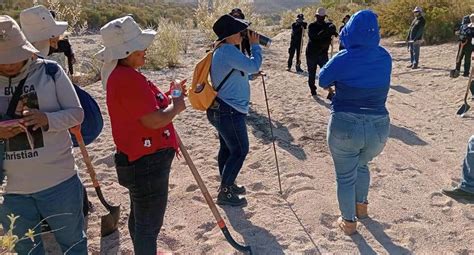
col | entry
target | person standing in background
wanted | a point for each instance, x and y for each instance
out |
(415, 37)
(344, 21)
(296, 42)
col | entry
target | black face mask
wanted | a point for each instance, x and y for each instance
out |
(320, 18)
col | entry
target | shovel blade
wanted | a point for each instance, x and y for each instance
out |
(464, 108)
(109, 222)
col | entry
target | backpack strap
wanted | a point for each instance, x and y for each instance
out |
(225, 79)
(15, 98)
(51, 69)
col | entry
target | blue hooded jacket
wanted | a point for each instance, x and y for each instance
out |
(361, 72)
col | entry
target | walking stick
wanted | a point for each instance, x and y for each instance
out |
(301, 48)
(271, 131)
(210, 202)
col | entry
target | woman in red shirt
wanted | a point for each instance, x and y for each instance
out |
(140, 115)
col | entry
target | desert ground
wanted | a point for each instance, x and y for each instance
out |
(408, 214)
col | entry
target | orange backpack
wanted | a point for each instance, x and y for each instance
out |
(202, 94)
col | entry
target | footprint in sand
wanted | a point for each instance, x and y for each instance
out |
(192, 188)
(300, 175)
(440, 200)
(199, 199)
(328, 220)
(178, 227)
(255, 165)
(433, 160)
(257, 186)
(108, 161)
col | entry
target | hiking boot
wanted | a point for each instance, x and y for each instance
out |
(465, 74)
(299, 70)
(415, 66)
(227, 197)
(348, 227)
(238, 190)
(361, 210)
(458, 193)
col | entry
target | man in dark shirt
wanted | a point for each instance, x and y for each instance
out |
(415, 37)
(297, 32)
(466, 33)
(245, 45)
(64, 46)
(320, 35)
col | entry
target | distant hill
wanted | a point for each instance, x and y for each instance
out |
(267, 6)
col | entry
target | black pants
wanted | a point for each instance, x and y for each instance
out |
(466, 54)
(313, 62)
(295, 46)
(147, 181)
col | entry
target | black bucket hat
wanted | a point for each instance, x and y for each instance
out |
(227, 25)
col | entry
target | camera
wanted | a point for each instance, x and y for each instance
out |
(265, 41)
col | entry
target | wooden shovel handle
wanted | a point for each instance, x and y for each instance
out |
(76, 131)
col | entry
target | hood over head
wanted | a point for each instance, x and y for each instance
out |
(362, 30)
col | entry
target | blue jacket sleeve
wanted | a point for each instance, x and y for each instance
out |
(328, 74)
(239, 61)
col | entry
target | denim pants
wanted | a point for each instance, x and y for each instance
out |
(414, 53)
(354, 140)
(313, 62)
(465, 53)
(233, 139)
(61, 206)
(147, 181)
(467, 182)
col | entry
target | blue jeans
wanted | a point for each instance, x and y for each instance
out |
(354, 140)
(64, 198)
(414, 52)
(147, 181)
(233, 139)
(467, 182)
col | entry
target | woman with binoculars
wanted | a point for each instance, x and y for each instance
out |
(230, 71)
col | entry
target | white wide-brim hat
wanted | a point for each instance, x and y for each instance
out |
(13, 44)
(38, 24)
(121, 37)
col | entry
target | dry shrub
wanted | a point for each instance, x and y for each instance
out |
(166, 49)
(207, 13)
(70, 12)
(441, 17)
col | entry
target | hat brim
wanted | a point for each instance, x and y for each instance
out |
(141, 42)
(41, 35)
(18, 54)
(240, 26)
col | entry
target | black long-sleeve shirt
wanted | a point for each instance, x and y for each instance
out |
(297, 30)
(320, 36)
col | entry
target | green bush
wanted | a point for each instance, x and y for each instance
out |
(441, 18)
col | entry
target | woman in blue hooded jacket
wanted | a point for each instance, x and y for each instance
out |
(359, 124)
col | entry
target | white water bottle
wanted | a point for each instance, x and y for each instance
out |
(176, 88)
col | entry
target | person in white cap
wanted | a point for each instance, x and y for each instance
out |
(42, 180)
(141, 117)
(415, 37)
(41, 29)
(320, 35)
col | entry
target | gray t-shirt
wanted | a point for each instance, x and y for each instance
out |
(50, 161)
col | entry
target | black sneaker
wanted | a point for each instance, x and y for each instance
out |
(239, 190)
(458, 193)
(299, 70)
(227, 197)
(415, 66)
(465, 74)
